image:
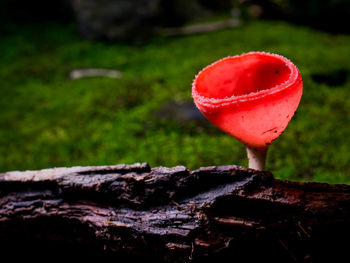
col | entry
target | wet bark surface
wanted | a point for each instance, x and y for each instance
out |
(134, 212)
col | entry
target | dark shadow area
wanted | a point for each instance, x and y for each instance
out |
(42, 240)
(334, 78)
(36, 11)
(327, 15)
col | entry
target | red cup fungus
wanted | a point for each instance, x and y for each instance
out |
(252, 97)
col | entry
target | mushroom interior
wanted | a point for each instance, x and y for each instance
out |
(242, 75)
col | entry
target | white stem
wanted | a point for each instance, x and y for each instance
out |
(256, 157)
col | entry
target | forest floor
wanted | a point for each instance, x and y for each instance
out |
(49, 120)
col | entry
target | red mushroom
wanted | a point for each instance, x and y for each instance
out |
(252, 97)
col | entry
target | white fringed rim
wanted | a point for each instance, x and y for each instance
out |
(219, 102)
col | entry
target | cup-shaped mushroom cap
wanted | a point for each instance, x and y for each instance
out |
(251, 97)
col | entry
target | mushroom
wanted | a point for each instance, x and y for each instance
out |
(252, 97)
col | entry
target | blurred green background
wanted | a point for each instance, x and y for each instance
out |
(50, 120)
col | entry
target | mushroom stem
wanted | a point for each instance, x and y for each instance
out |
(256, 157)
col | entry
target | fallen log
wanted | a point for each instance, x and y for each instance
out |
(134, 212)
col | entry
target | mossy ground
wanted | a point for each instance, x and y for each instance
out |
(48, 120)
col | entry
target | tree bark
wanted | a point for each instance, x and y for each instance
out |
(134, 212)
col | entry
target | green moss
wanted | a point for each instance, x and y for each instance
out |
(48, 120)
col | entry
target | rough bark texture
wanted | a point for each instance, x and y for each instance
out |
(133, 212)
